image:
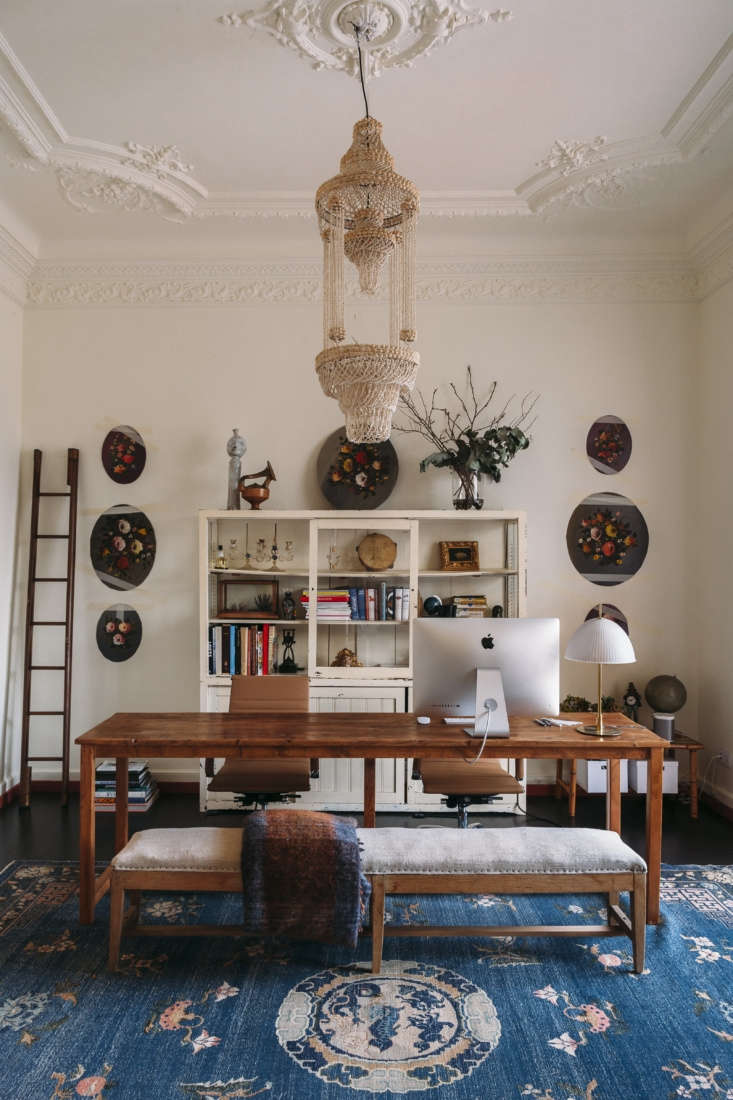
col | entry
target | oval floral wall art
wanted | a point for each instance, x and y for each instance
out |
(356, 475)
(122, 547)
(123, 454)
(607, 538)
(608, 444)
(119, 632)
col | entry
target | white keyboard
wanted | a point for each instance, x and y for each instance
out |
(460, 721)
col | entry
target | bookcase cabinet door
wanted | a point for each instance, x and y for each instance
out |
(341, 782)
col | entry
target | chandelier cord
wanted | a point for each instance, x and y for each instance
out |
(357, 34)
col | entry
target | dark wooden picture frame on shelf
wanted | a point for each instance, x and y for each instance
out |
(459, 557)
(238, 597)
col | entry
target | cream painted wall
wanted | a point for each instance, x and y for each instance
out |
(184, 376)
(714, 525)
(11, 349)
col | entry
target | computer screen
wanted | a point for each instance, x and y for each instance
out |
(447, 653)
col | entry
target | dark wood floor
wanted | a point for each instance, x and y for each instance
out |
(49, 831)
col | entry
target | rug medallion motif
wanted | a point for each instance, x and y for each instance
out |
(412, 1027)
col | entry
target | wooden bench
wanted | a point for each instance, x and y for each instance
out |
(505, 861)
(402, 861)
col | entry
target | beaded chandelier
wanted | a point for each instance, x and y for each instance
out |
(367, 214)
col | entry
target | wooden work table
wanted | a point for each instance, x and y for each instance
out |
(362, 736)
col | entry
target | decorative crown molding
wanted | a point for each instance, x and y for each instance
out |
(393, 33)
(707, 106)
(93, 176)
(448, 282)
(16, 265)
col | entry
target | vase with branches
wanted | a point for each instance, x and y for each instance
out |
(468, 438)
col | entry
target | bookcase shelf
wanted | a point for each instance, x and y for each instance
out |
(383, 681)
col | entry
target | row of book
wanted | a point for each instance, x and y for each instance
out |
(380, 603)
(236, 650)
(142, 790)
(469, 607)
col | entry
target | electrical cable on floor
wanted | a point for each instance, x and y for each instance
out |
(517, 810)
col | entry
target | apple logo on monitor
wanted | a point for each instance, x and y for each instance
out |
(487, 642)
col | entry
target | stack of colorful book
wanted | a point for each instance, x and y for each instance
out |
(469, 607)
(332, 604)
(142, 790)
(236, 650)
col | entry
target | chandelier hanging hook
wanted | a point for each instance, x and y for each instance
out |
(358, 31)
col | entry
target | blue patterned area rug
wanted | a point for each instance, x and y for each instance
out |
(458, 1019)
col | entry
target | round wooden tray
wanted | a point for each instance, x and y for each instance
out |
(377, 552)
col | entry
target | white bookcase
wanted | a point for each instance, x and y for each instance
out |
(317, 551)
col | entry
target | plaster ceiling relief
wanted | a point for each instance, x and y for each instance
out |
(395, 33)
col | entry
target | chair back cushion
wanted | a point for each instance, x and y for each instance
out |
(269, 693)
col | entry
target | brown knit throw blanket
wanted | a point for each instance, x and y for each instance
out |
(301, 877)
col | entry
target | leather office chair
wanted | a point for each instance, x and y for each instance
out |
(464, 784)
(257, 782)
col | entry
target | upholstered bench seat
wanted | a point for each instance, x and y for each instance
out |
(495, 851)
(405, 861)
(198, 849)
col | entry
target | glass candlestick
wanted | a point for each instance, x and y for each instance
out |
(261, 552)
(247, 555)
(274, 568)
(288, 553)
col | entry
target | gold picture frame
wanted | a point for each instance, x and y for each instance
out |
(459, 557)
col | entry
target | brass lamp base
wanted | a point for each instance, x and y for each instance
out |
(593, 731)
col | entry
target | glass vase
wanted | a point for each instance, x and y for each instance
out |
(466, 489)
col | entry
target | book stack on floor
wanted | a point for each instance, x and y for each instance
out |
(469, 607)
(142, 790)
(236, 650)
(332, 605)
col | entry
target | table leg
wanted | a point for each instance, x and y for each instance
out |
(693, 784)
(573, 791)
(370, 794)
(653, 834)
(558, 779)
(121, 825)
(613, 795)
(86, 835)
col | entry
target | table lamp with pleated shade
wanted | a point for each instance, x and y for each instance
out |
(600, 642)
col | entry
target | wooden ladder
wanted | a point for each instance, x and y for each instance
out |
(72, 475)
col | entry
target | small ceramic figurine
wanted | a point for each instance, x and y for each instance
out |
(632, 702)
(287, 606)
(236, 447)
(288, 662)
(255, 494)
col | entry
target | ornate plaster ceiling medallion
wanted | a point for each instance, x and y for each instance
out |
(395, 32)
(161, 160)
(568, 156)
(90, 191)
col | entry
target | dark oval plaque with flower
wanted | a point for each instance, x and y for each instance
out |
(119, 633)
(123, 454)
(122, 547)
(608, 444)
(607, 538)
(356, 475)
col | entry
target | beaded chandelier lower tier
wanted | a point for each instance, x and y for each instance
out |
(367, 214)
(367, 380)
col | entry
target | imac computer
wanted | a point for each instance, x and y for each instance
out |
(447, 653)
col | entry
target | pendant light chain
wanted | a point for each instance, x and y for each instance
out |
(358, 31)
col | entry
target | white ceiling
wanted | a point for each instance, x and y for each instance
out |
(259, 128)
